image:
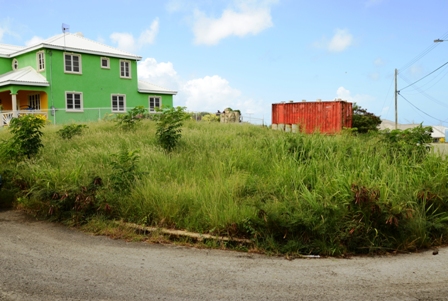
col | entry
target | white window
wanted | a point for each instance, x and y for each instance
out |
(34, 102)
(154, 103)
(40, 61)
(125, 69)
(15, 64)
(118, 103)
(72, 63)
(73, 101)
(105, 63)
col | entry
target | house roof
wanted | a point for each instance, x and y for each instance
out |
(438, 131)
(6, 50)
(145, 87)
(74, 42)
(23, 76)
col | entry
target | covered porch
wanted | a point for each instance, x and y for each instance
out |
(25, 102)
(22, 92)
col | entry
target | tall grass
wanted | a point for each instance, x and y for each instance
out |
(290, 193)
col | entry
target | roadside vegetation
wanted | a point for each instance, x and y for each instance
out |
(286, 193)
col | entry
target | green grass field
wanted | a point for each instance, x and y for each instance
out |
(288, 193)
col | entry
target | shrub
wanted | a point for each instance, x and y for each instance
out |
(409, 141)
(68, 131)
(26, 140)
(210, 118)
(130, 120)
(124, 169)
(169, 124)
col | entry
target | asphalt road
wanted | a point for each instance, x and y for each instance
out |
(45, 261)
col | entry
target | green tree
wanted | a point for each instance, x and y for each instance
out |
(169, 124)
(27, 136)
(363, 120)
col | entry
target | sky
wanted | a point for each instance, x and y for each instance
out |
(249, 54)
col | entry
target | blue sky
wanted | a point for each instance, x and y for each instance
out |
(248, 54)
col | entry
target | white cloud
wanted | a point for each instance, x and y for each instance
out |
(249, 17)
(361, 99)
(206, 94)
(127, 42)
(161, 74)
(150, 68)
(212, 93)
(341, 40)
(344, 94)
(149, 35)
(34, 41)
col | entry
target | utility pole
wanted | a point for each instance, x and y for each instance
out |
(396, 96)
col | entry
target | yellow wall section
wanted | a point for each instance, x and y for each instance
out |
(5, 98)
(22, 99)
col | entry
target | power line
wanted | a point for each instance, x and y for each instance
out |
(387, 94)
(441, 103)
(424, 76)
(441, 75)
(442, 121)
(422, 54)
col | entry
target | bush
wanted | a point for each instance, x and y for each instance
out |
(413, 141)
(27, 137)
(129, 121)
(210, 118)
(68, 131)
(169, 124)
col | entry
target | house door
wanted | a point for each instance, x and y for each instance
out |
(34, 102)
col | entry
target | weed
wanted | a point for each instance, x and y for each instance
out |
(169, 124)
(69, 131)
(130, 120)
(124, 169)
(27, 137)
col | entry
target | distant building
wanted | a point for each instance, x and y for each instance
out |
(438, 131)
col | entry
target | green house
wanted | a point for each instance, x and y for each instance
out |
(69, 78)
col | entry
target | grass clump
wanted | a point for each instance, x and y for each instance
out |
(288, 193)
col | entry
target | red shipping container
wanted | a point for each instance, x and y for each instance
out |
(318, 116)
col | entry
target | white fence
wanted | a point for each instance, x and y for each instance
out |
(5, 117)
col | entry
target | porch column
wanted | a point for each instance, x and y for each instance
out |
(14, 105)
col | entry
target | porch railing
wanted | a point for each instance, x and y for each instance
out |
(6, 116)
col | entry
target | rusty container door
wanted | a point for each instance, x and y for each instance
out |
(324, 117)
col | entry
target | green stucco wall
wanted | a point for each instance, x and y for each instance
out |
(97, 86)
(5, 65)
(95, 83)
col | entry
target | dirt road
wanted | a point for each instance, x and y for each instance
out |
(44, 261)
